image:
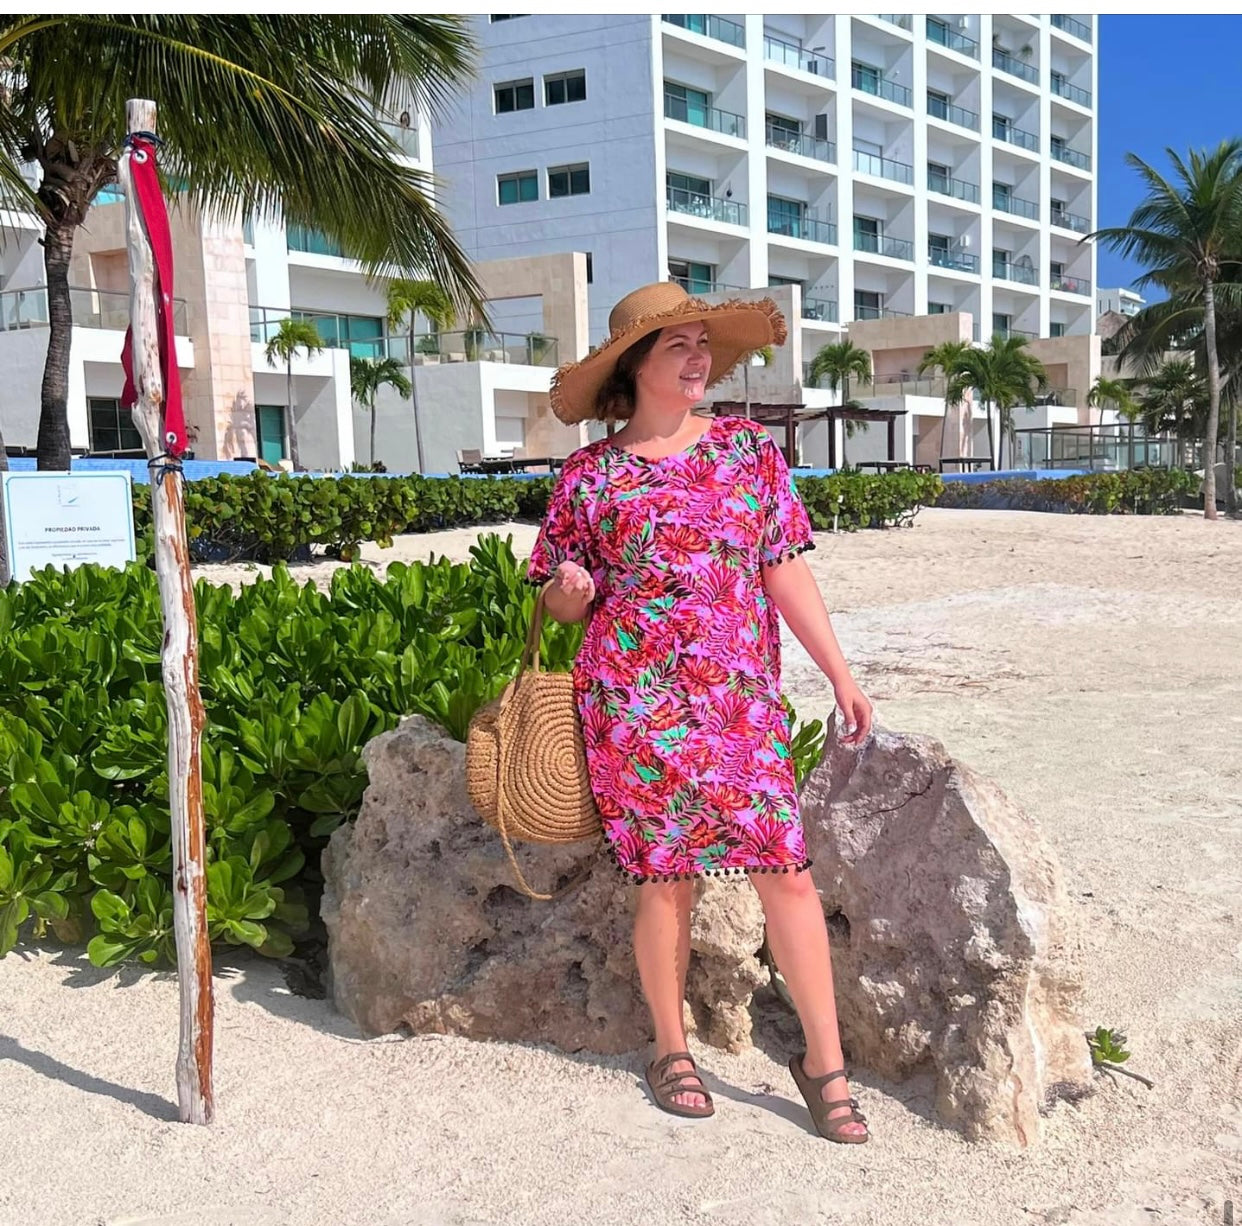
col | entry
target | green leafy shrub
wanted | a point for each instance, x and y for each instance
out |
(277, 519)
(1142, 491)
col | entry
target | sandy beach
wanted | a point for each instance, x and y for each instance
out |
(1092, 666)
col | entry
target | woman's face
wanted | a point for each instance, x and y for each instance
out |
(677, 368)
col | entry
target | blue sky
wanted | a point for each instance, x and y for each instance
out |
(1164, 81)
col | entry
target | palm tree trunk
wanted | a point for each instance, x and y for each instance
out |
(372, 431)
(987, 413)
(294, 458)
(5, 573)
(1231, 464)
(1213, 421)
(53, 441)
(418, 429)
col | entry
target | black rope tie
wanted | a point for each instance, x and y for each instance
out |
(161, 470)
(149, 137)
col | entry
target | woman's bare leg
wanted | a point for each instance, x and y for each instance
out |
(798, 938)
(662, 951)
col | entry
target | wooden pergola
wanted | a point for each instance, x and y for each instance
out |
(791, 416)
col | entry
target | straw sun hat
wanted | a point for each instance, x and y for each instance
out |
(735, 329)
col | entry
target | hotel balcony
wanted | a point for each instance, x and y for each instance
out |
(878, 87)
(881, 244)
(1015, 67)
(1015, 136)
(719, 28)
(801, 144)
(1070, 221)
(956, 261)
(790, 55)
(1071, 157)
(959, 189)
(1021, 274)
(1071, 93)
(1069, 285)
(710, 117)
(1070, 25)
(884, 168)
(706, 208)
(809, 229)
(937, 108)
(939, 33)
(92, 308)
(1003, 202)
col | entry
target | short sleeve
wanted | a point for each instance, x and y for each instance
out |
(787, 527)
(565, 534)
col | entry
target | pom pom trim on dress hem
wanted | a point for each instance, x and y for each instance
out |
(790, 554)
(735, 873)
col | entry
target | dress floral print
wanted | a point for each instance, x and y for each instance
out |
(678, 678)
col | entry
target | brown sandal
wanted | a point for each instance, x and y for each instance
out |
(829, 1129)
(665, 1084)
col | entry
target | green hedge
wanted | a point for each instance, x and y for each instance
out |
(295, 682)
(1133, 491)
(271, 519)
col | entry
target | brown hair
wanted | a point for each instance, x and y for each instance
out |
(617, 396)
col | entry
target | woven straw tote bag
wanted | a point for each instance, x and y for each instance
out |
(526, 771)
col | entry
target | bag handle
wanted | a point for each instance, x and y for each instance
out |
(530, 659)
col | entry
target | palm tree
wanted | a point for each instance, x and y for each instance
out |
(277, 112)
(1175, 400)
(367, 376)
(838, 363)
(406, 300)
(1185, 233)
(1003, 375)
(283, 346)
(945, 358)
(1112, 394)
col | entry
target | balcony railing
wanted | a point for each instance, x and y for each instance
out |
(719, 28)
(406, 139)
(698, 287)
(1070, 92)
(878, 87)
(1005, 203)
(792, 56)
(938, 108)
(1070, 221)
(1015, 136)
(946, 185)
(885, 168)
(92, 308)
(958, 261)
(1014, 67)
(1069, 285)
(881, 244)
(1007, 270)
(823, 309)
(938, 32)
(878, 312)
(903, 383)
(724, 122)
(1007, 332)
(903, 21)
(1072, 26)
(810, 229)
(709, 208)
(801, 144)
(1071, 157)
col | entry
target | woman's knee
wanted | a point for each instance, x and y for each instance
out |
(785, 887)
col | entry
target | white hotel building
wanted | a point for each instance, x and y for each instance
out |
(891, 166)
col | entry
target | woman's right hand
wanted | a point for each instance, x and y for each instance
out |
(573, 583)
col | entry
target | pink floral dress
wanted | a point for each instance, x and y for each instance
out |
(678, 678)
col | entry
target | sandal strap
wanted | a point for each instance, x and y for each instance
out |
(818, 1083)
(658, 1066)
(676, 1084)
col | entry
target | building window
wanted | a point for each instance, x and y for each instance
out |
(774, 280)
(693, 278)
(590, 269)
(270, 423)
(1001, 125)
(1056, 269)
(868, 304)
(1056, 329)
(569, 180)
(514, 96)
(312, 242)
(938, 177)
(518, 188)
(686, 105)
(1002, 194)
(867, 235)
(112, 427)
(939, 308)
(506, 17)
(1000, 323)
(938, 248)
(1000, 262)
(937, 100)
(362, 335)
(783, 126)
(786, 216)
(696, 23)
(564, 87)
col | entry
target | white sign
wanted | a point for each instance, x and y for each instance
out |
(66, 519)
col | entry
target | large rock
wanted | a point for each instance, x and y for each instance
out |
(952, 952)
(427, 931)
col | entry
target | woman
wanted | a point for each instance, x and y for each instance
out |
(680, 538)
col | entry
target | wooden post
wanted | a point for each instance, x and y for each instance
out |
(195, 1099)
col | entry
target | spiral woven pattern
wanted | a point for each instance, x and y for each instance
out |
(525, 752)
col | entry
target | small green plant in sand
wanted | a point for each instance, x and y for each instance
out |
(1108, 1053)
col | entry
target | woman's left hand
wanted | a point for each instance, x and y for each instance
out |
(855, 713)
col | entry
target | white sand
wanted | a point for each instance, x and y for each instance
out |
(1093, 666)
